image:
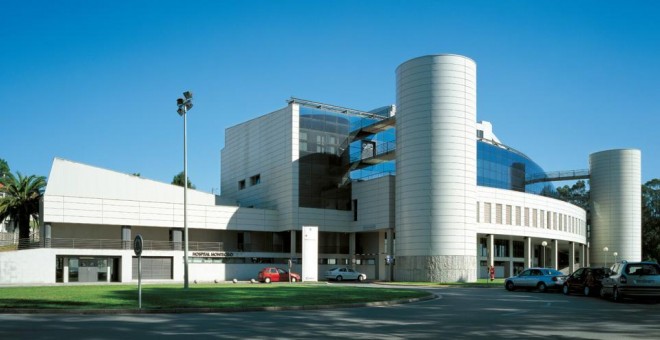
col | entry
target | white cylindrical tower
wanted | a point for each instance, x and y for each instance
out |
(436, 169)
(616, 206)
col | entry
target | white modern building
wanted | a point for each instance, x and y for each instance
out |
(417, 191)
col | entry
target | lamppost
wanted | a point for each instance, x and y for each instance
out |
(544, 244)
(615, 256)
(605, 249)
(184, 105)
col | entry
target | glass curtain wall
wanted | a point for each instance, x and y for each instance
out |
(507, 169)
(328, 148)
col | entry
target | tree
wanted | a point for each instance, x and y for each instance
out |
(576, 194)
(651, 220)
(4, 168)
(178, 180)
(21, 201)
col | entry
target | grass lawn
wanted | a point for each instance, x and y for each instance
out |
(168, 296)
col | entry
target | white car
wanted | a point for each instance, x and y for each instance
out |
(344, 273)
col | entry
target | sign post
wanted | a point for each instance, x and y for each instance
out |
(289, 263)
(137, 247)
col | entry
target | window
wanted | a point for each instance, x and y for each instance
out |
(527, 217)
(256, 179)
(483, 246)
(241, 184)
(498, 213)
(509, 210)
(478, 219)
(518, 249)
(501, 248)
(355, 210)
(487, 212)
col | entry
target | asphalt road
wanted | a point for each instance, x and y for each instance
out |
(457, 313)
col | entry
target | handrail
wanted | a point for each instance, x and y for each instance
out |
(80, 243)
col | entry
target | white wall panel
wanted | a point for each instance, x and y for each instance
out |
(616, 205)
(435, 131)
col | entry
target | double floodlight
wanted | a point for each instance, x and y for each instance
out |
(184, 104)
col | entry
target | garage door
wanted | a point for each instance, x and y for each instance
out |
(153, 268)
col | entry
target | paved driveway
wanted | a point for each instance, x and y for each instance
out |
(465, 313)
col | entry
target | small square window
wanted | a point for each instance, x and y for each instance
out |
(241, 184)
(256, 179)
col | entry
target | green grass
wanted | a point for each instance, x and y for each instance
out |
(197, 296)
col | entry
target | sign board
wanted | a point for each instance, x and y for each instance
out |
(137, 245)
(310, 253)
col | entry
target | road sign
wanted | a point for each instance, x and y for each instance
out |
(137, 245)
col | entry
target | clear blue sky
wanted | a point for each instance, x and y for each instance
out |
(96, 82)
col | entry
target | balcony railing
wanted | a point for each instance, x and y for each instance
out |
(80, 243)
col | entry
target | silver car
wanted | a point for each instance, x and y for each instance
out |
(344, 273)
(541, 279)
(632, 279)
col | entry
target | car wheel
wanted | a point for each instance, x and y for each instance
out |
(615, 295)
(587, 291)
(565, 289)
(267, 280)
(339, 278)
(361, 278)
(509, 286)
(602, 292)
(293, 279)
(541, 287)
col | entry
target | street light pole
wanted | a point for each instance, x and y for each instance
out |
(185, 105)
(605, 249)
(544, 244)
(615, 256)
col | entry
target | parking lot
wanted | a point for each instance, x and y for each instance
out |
(460, 313)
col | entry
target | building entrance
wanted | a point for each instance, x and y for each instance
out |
(87, 269)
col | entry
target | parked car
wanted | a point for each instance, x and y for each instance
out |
(344, 273)
(540, 278)
(632, 279)
(585, 280)
(274, 274)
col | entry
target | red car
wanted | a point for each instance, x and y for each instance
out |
(273, 274)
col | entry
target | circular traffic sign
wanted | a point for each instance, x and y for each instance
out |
(137, 245)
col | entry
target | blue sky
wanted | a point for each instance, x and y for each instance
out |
(96, 82)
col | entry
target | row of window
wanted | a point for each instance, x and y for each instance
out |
(254, 180)
(537, 218)
(277, 261)
(502, 248)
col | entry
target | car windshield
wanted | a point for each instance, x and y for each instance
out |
(332, 270)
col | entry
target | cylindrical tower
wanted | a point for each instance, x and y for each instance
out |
(616, 206)
(436, 169)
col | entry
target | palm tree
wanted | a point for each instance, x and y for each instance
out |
(21, 201)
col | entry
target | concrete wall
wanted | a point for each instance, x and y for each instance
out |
(375, 204)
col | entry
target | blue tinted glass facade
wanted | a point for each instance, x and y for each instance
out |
(507, 169)
(326, 157)
(323, 162)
